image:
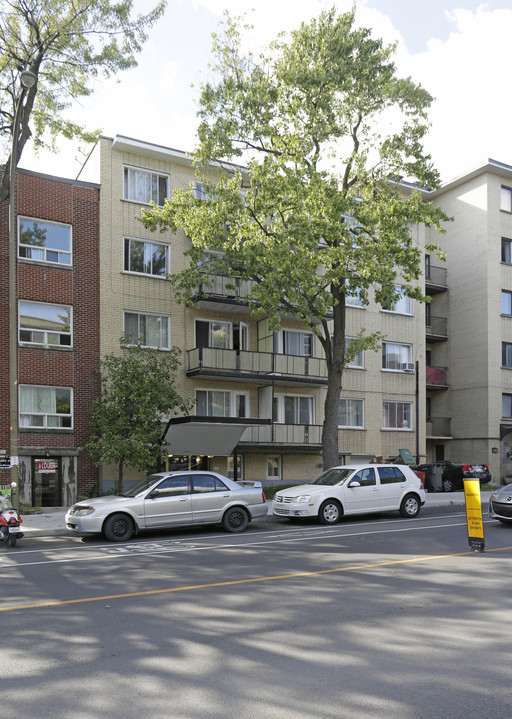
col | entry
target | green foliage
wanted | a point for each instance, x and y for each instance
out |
(67, 44)
(127, 420)
(327, 130)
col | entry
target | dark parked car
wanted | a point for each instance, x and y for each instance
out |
(452, 475)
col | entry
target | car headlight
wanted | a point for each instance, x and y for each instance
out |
(303, 498)
(494, 495)
(83, 511)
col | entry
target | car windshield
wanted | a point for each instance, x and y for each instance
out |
(140, 486)
(336, 475)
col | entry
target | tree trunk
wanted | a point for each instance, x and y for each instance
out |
(335, 358)
(119, 487)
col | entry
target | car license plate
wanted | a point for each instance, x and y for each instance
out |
(14, 529)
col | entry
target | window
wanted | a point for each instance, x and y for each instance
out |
(353, 300)
(365, 477)
(44, 241)
(506, 250)
(145, 186)
(397, 415)
(293, 409)
(239, 467)
(396, 356)
(213, 334)
(506, 354)
(274, 467)
(173, 486)
(506, 406)
(45, 324)
(402, 305)
(149, 330)
(207, 483)
(506, 199)
(45, 407)
(351, 413)
(391, 475)
(297, 343)
(506, 302)
(427, 267)
(221, 403)
(358, 359)
(147, 258)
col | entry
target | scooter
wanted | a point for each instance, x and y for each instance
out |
(10, 521)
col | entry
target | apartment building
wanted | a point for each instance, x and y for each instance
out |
(57, 283)
(258, 394)
(470, 344)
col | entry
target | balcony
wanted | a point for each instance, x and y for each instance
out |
(436, 329)
(300, 436)
(438, 428)
(255, 366)
(222, 294)
(436, 377)
(435, 280)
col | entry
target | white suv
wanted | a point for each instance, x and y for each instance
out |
(351, 489)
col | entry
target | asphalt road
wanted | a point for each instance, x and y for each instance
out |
(377, 617)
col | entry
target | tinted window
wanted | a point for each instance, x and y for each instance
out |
(173, 486)
(333, 476)
(366, 477)
(207, 483)
(390, 475)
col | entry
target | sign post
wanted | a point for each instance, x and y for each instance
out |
(474, 515)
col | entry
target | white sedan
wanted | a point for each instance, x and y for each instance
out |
(167, 500)
(350, 489)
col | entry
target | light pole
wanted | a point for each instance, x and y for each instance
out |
(28, 80)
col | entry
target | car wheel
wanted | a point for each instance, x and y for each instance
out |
(330, 512)
(410, 506)
(118, 528)
(235, 520)
(448, 485)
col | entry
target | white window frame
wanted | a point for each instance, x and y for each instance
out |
(231, 400)
(129, 183)
(506, 295)
(165, 326)
(398, 408)
(47, 334)
(26, 416)
(64, 256)
(506, 354)
(350, 413)
(127, 242)
(274, 466)
(402, 305)
(506, 199)
(280, 405)
(405, 356)
(305, 341)
(506, 250)
(358, 359)
(228, 326)
(506, 399)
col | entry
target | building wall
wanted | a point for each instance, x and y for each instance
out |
(75, 204)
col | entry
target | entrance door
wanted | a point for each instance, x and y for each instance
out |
(46, 482)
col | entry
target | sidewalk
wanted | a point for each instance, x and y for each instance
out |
(51, 521)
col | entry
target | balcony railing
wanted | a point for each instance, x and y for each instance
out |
(436, 377)
(438, 427)
(284, 434)
(435, 276)
(222, 286)
(210, 359)
(436, 327)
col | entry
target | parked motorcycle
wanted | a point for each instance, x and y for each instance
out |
(10, 521)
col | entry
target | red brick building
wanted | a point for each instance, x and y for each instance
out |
(58, 335)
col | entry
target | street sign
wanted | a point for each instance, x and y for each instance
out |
(474, 515)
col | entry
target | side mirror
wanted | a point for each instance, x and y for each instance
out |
(154, 493)
(354, 483)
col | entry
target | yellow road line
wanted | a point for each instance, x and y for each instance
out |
(169, 590)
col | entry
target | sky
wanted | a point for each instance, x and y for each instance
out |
(458, 50)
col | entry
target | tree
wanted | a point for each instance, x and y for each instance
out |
(138, 392)
(66, 44)
(327, 130)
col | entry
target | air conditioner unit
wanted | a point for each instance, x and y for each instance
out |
(408, 367)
